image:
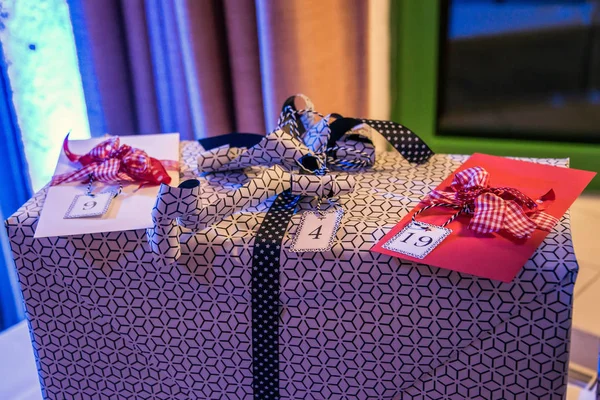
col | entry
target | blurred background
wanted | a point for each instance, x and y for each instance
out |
(506, 77)
(530, 69)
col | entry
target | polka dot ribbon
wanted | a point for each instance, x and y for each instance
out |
(297, 140)
(352, 155)
(405, 141)
(265, 297)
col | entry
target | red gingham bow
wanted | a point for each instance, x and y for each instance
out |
(493, 209)
(111, 162)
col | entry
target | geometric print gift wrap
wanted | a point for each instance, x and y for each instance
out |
(107, 322)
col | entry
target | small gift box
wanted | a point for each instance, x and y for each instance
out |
(189, 309)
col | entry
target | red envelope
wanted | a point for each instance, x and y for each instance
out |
(495, 256)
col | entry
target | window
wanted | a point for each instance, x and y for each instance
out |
(39, 49)
(523, 69)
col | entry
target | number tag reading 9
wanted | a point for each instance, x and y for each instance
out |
(316, 232)
(417, 239)
(84, 205)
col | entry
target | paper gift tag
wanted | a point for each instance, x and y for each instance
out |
(317, 231)
(84, 205)
(417, 239)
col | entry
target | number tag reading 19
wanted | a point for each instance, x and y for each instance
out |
(317, 232)
(84, 205)
(417, 239)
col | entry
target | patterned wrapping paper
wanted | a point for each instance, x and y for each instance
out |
(183, 206)
(109, 322)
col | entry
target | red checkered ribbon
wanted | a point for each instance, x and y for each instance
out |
(492, 209)
(112, 162)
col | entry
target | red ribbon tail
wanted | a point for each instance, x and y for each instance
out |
(545, 200)
(544, 221)
(81, 175)
(58, 179)
(154, 175)
(70, 155)
(517, 222)
(158, 173)
(549, 196)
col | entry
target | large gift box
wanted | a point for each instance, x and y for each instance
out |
(109, 319)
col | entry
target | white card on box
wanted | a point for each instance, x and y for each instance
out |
(417, 239)
(317, 231)
(130, 210)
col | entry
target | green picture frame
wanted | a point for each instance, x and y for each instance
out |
(415, 36)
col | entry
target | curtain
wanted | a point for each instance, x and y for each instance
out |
(16, 189)
(208, 67)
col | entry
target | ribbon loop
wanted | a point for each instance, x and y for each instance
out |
(471, 178)
(492, 209)
(183, 206)
(489, 214)
(345, 143)
(107, 171)
(322, 185)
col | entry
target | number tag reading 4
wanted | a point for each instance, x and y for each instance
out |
(84, 205)
(417, 239)
(317, 232)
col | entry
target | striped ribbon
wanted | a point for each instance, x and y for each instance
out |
(113, 162)
(492, 209)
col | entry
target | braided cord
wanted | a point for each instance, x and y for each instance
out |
(461, 209)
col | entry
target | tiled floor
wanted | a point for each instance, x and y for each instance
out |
(585, 341)
(17, 366)
(585, 215)
(19, 378)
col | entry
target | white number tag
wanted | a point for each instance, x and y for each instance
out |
(417, 239)
(317, 232)
(84, 205)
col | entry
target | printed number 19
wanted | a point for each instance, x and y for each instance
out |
(422, 241)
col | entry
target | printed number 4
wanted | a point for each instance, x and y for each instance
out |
(422, 240)
(316, 234)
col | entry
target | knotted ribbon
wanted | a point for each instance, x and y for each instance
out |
(492, 209)
(111, 161)
(185, 205)
(341, 143)
(299, 143)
